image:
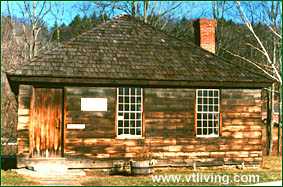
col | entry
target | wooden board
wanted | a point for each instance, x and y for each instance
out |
(168, 123)
(45, 123)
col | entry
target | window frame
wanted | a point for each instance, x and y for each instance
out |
(219, 120)
(129, 136)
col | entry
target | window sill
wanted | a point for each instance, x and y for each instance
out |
(129, 137)
(207, 136)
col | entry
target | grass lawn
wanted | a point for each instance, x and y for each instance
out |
(11, 178)
(270, 171)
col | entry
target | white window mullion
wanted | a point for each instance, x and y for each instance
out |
(210, 112)
(130, 109)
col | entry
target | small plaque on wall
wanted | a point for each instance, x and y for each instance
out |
(75, 126)
(93, 104)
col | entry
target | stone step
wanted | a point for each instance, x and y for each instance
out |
(44, 171)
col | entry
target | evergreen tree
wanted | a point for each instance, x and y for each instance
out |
(77, 26)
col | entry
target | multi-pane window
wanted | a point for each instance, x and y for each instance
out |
(129, 112)
(207, 111)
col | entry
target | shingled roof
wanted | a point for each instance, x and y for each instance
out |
(128, 51)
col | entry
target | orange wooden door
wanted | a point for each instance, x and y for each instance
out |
(45, 132)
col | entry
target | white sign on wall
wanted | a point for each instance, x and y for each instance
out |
(75, 126)
(93, 104)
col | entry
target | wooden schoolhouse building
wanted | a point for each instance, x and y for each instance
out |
(128, 91)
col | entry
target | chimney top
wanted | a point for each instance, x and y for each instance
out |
(204, 29)
(206, 20)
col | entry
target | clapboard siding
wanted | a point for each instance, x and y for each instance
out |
(169, 128)
(24, 99)
(241, 111)
(168, 121)
(169, 113)
(97, 124)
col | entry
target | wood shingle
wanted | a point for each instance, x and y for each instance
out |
(126, 49)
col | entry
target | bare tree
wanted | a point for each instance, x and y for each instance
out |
(57, 11)
(20, 41)
(153, 11)
(11, 56)
(270, 15)
(33, 12)
(220, 9)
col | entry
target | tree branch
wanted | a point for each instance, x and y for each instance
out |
(274, 32)
(250, 27)
(255, 64)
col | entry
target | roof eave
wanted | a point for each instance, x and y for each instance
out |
(70, 81)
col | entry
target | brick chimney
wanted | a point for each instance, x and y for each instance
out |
(205, 33)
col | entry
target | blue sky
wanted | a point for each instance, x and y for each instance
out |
(189, 9)
(71, 9)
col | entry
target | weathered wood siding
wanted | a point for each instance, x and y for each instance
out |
(99, 131)
(168, 128)
(240, 138)
(168, 121)
(242, 125)
(169, 113)
(24, 99)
